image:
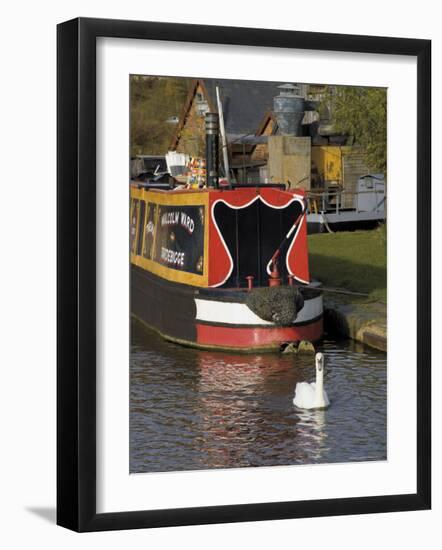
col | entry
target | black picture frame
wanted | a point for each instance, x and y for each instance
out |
(76, 274)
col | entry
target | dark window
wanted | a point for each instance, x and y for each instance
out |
(142, 211)
(134, 211)
(149, 231)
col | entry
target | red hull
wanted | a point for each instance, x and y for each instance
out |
(255, 337)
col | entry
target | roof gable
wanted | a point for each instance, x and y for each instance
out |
(244, 104)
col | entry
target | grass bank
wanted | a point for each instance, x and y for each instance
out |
(353, 260)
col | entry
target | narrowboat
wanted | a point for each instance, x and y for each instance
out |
(223, 267)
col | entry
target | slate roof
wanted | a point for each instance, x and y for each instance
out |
(244, 103)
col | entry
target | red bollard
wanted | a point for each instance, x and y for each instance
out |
(250, 282)
(274, 279)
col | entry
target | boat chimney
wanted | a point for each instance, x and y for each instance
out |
(212, 149)
(289, 108)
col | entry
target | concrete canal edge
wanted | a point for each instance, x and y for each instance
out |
(366, 323)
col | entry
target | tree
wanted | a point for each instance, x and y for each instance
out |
(193, 137)
(362, 113)
(152, 101)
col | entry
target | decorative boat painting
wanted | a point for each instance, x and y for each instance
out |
(223, 268)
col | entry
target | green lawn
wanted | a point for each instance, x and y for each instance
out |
(354, 260)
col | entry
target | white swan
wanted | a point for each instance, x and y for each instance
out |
(312, 396)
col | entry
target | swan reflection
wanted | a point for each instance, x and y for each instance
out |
(311, 433)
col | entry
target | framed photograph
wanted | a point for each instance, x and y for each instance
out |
(243, 274)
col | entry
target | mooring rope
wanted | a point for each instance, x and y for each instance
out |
(324, 218)
(336, 290)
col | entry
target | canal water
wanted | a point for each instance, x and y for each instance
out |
(196, 410)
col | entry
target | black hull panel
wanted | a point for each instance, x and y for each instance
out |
(166, 306)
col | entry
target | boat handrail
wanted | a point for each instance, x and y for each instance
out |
(249, 185)
(325, 196)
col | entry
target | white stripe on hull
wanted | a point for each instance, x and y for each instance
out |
(234, 313)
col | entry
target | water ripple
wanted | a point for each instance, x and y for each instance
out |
(192, 409)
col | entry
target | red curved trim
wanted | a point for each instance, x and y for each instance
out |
(297, 258)
(235, 337)
(219, 259)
